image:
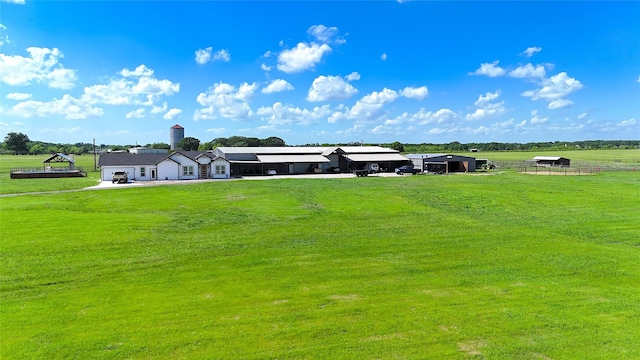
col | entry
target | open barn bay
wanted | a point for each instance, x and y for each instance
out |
(499, 266)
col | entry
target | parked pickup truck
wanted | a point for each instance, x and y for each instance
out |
(407, 169)
(120, 177)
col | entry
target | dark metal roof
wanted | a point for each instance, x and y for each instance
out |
(130, 159)
(126, 159)
(59, 157)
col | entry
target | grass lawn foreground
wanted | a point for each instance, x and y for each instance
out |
(508, 266)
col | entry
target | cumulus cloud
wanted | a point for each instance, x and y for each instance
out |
(159, 109)
(423, 117)
(172, 114)
(225, 101)
(68, 106)
(279, 114)
(277, 85)
(136, 114)
(638, 79)
(486, 107)
(415, 93)
(353, 76)
(325, 34)
(582, 116)
(560, 103)
(489, 69)
(19, 2)
(528, 71)
(368, 108)
(330, 87)
(532, 50)
(383, 57)
(554, 89)
(302, 57)
(265, 67)
(42, 66)
(18, 96)
(219, 130)
(137, 87)
(204, 56)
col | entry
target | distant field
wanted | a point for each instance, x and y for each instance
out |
(504, 266)
(596, 156)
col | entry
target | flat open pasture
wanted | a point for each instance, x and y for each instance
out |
(504, 266)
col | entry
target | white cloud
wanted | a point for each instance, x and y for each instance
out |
(140, 71)
(41, 66)
(582, 116)
(415, 93)
(555, 89)
(489, 69)
(486, 108)
(353, 76)
(223, 100)
(219, 130)
(19, 2)
(528, 71)
(532, 50)
(277, 85)
(383, 57)
(628, 123)
(4, 39)
(325, 34)
(330, 87)
(204, 56)
(538, 120)
(302, 57)
(137, 87)
(265, 67)
(222, 55)
(159, 109)
(279, 114)
(560, 103)
(136, 114)
(370, 106)
(18, 96)
(172, 114)
(638, 79)
(68, 106)
(423, 117)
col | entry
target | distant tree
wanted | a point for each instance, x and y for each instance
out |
(272, 142)
(189, 144)
(36, 149)
(159, 145)
(397, 146)
(17, 142)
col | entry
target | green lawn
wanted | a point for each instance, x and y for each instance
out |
(631, 157)
(507, 266)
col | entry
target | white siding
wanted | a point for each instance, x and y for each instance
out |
(221, 162)
(168, 170)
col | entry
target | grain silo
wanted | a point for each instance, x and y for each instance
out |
(177, 134)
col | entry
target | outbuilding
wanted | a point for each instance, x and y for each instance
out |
(548, 161)
(443, 163)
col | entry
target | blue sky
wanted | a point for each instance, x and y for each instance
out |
(320, 72)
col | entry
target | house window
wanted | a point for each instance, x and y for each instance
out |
(221, 169)
(143, 172)
(187, 170)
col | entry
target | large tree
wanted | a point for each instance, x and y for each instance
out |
(17, 142)
(189, 144)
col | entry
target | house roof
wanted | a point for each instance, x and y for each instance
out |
(548, 158)
(433, 156)
(147, 159)
(320, 150)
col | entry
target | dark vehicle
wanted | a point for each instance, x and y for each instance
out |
(407, 169)
(120, 177)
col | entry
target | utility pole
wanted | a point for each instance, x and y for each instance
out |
(95, 166)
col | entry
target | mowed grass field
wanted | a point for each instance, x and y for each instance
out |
(504, 266)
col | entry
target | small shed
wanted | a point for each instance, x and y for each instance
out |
(548, 161)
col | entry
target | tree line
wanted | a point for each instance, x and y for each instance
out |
(19, 143)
